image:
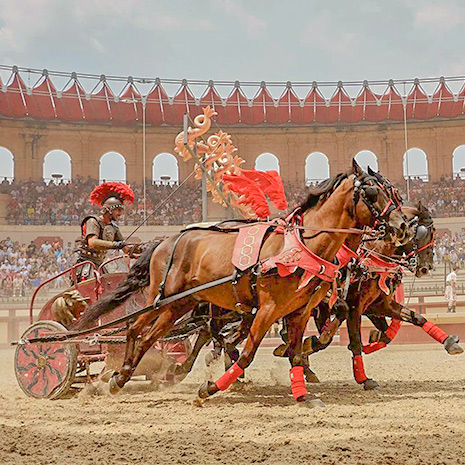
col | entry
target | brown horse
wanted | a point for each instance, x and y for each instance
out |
(348, 200)
(366, 297)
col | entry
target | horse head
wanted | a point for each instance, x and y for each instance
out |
(378, 205)
(419, 250)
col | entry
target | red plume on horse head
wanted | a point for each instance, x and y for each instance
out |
(111, 189)
(271, 184)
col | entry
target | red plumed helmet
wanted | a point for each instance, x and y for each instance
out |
(104, 191)
(271, 184)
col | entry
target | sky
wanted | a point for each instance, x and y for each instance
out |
(237, 39)
(270, 40)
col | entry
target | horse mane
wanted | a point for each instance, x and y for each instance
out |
(322, 191)
(421, 211)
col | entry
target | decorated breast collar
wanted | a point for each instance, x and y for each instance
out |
(378, 265)
(296, 255)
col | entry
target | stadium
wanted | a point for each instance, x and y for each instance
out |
(62, 134)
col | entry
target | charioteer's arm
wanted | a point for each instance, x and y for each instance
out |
(100, 244)
(93, 241)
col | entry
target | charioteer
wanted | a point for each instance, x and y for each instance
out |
(100, 233)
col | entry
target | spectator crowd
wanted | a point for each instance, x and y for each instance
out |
(451, 248)
(23, 267)
(444, 198)
(35, 202)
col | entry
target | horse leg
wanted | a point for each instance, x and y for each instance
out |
(297, 323)
(281, 350)
(203, 338)
(355, 346)
(163, 324)
(134, 330)
(398, 311)
(264, 318)
(381, 325)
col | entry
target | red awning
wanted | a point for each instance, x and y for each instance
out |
(45, 102)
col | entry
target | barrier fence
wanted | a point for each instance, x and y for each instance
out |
(15, 320)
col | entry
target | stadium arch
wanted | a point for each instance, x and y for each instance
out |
(7, 164)
(165, 169)
(317, 167)
(366, 158)
(57, 166)
(458, 162)
(267, 161)
(415, 163)
(112, 167)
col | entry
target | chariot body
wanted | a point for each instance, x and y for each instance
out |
(56, 368)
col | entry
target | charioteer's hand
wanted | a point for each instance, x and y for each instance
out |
(118, 245)
(133, 250)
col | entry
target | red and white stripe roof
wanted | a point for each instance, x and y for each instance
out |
(42, 101)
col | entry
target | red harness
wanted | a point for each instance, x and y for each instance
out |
(295, 254)
(382, 267)
(426, 246)
(344, 255)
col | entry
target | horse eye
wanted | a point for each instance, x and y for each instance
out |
(422, 232)
(372, 194)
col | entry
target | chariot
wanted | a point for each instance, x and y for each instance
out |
(56, 368)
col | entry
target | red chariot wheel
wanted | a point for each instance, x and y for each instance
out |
(45, 370)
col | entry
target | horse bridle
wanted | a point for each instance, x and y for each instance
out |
(421, 232)
(365, 190)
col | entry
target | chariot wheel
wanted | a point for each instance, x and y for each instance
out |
(175, 354)
(45, 370)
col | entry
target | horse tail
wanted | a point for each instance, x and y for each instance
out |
(138, 278)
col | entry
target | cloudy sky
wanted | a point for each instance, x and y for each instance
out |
(237, 39)
(271, 40)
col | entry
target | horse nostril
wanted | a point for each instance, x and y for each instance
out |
(424, 270)
(404, 229)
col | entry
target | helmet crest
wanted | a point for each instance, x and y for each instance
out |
(117, 190)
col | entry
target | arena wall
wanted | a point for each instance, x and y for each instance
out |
(30, 141)
(26, 234)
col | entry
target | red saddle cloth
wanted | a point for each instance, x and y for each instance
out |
(248, 244)
(382, 267)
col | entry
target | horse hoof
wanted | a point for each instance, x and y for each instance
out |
(310, 402)
(310, 376)
(370, 385)
(113, 385)
(455, 349)
(207, 389)
(450, 344)
(281, 350)
(105, 376)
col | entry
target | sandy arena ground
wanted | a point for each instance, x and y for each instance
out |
(418, 417)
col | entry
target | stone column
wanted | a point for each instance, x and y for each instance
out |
(29, 166)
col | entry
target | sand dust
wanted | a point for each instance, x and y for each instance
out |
(418, 417)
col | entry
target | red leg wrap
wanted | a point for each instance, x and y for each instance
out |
(298, 382)
(393, 329)
(436, 333)
(373, 347)
(359, 370)
(229, 377)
